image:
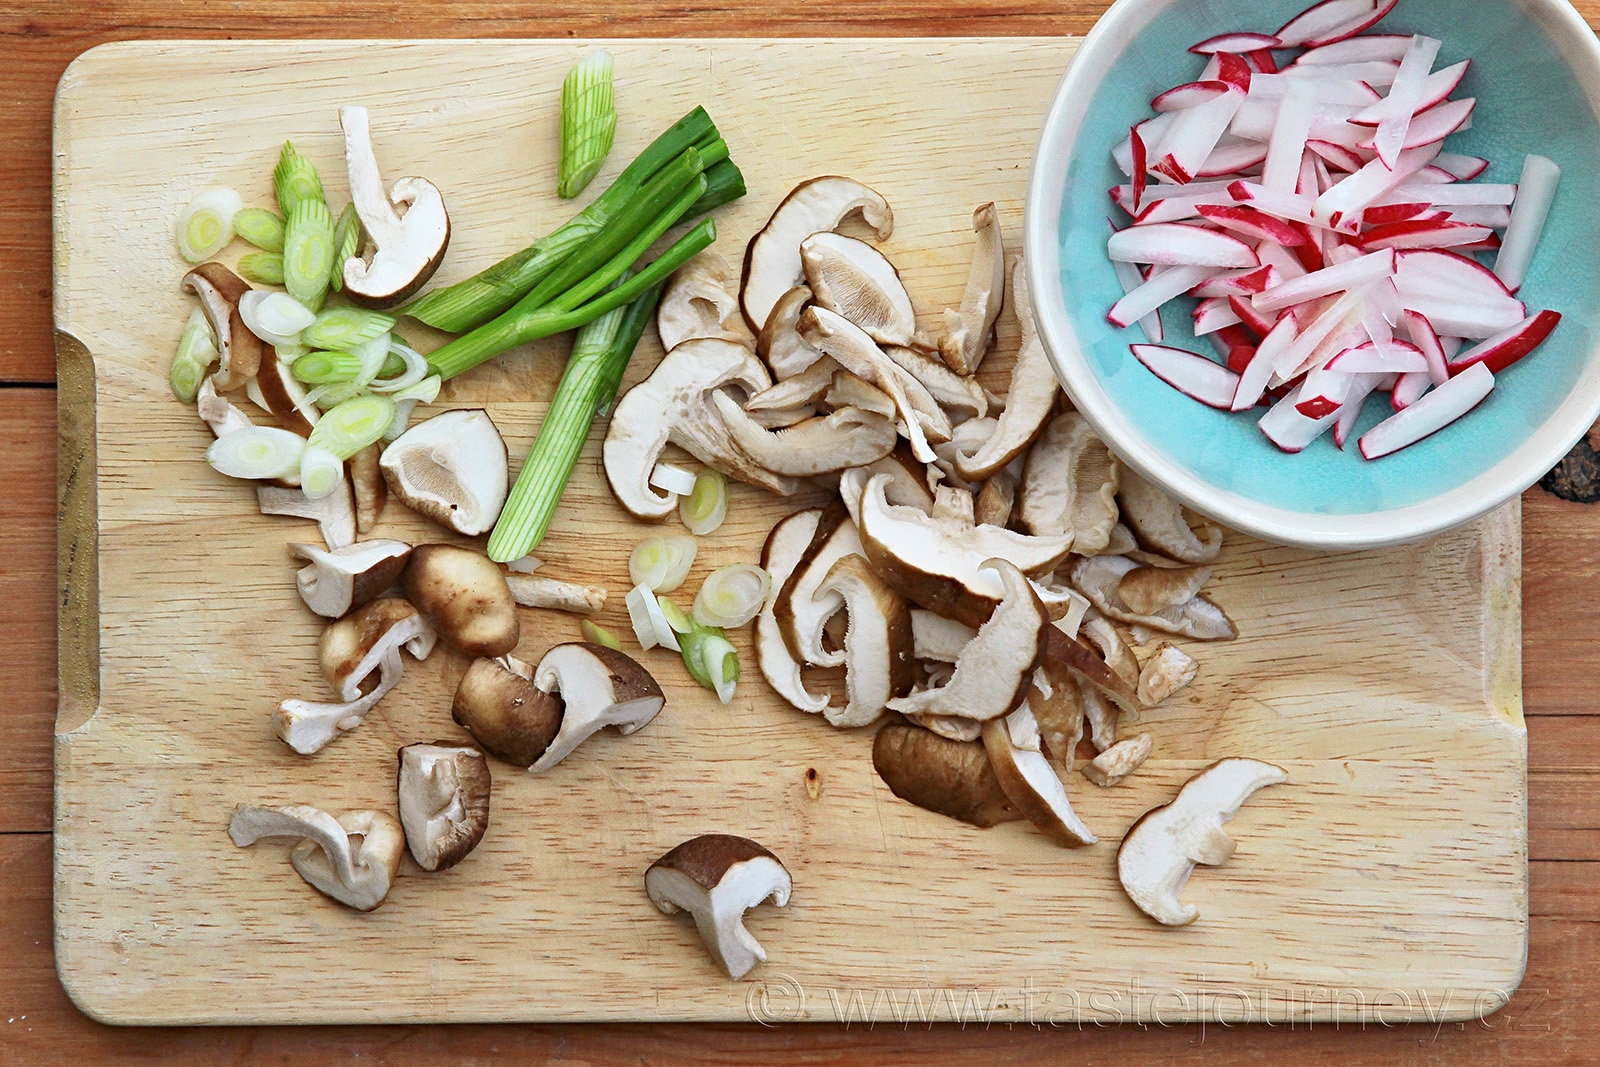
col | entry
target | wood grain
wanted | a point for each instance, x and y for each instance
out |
(199, 635)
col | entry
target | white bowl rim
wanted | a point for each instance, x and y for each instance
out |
(1519, 470)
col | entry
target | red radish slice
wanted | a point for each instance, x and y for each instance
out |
(1361, 387)
(1474, 321)
(1341, 206)
(1239, 357)
(1396, 357)
(1254, 225)
(1500, 351)
(1212, 315)
(1141, 166)
(1436, 89)
(1187, 146)
(1245, 282)
(1193, 375)
(1419, 233)
(1262, 60)
(1449, 276)
(1186, 96)
(1232, 159)
(1232, 69)
(1535, 192)
(1332, 21)
(1338, 155)
(1431, 175)
(1253, 380)
(1409, 389)
(1175, 244)
(1370, 48)
(1237, 43)
(1176, 208)
(1291, 207)
(1433, 125)
(1153, 293)
(1252, 319)
(1150, 131)
(1495, 216)
(1422, 335)
(1323, 394)
(1287, 428)
(1387, 214)
(1432, 413)
(1353, 275)
(1129, 278)
(1464, 168)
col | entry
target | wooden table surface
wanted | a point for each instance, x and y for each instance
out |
(1549, 1021)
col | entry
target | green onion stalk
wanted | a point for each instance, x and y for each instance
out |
(475, 301)
(588, 122)
(600, 354)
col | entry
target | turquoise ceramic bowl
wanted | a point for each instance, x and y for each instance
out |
(1536, 75)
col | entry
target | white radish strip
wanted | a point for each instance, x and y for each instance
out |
(1288, 143)
(1233, 159)
(1267, 89)
(1455, 195)
(650, 624)
(1500, 351)
(1472, 321)
(1182, 97)
(1287, 428)
(1237, 43)
(1189, 142)
(1425, 233)
(1150, 130)
(672, 479)
(1291, 206)
(1450, 276)
(1361, 387)
(1535, 192)
(1377, 75)
(1253, 382)
(1495, 216)
(1422, 335)
(1213, 316)
(1436, 89)
(1352, 275)
(1433, 125)
(1395, 357)
(1193, 375)
(1128, 275)
(1432, 413)
(1332, 21)
(1178, 245)
(1408, 389)
(1176, 208)
(1281, 260)
(1370, 48)
(1153, 293)
(1464, 168)
(1245, 282)
(1343, 316)
(1342, 205)
(1336, 155)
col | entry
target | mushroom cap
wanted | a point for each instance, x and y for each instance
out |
(1158, 521)
(956, 394)
(599, 687)
(1030, 782)
(785, 546)
(948, 777)
(699, 301)
(967, 332)
(451, 468)
(1071, 653)
(335, 514)
(1069, 485)
(409, 244)
(355, 877)
(1159, 852)
(444, 802)
(465, 596)
(854, 350)
(779, 344)
(352, 648)
(855, 280)
(368, 487)
(1098, 578)
(877, 642)
(848, 437)
(800, 609)
(716, 878)
(507, 714)
(334, 582)
(241, 351)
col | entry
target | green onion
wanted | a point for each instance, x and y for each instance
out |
(724, 184)
(599, 635)
(320, 470)
(346, 242)
(308, 252)
(289, 353)
(475, 301)
(394, 365)
(324, 368)
(262, 268)
(206, 225)
(675, 616)
(197, 350)
(711, 659)
(295, 181)
(260, 227)
(351, 426)
(523, 324)
(703, 510)
(588, 122)
(256, 452)
(342, 328)
(600, 354)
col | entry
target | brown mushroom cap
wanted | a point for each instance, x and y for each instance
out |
(408, 245)
(464, 594)
(507, 714)
(716, 878)
(1027, 778)
(332, 583)
(951, 778)
(444, 801)
(599, 687)
(351, 647)
(852, 278)
(877, 643)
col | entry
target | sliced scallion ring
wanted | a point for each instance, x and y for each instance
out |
(347, 428)
(426, 390)
(720, 661)
(402, 419)
(346, 242)
(335, 393)
(197, 350)
(670, 478)
(649, 624)
(260, 227)
(732, 595)
(326, 368)
(413, 368)
(345, 328)
(599, 635)
(256, 452)
(308, 252)
(206, 225)
(680, 623)
(372, 355)
(703, 510)
(289, 353)
(661, 563)
(320, 470)
(276, 318)
(261, 268)
(295, 180)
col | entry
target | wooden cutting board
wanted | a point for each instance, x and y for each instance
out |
(1387, 880)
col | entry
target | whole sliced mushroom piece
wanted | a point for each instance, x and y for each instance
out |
(1147, 590)
(877, 643)
(335, 514)
(959, 396)
(466, 598)
(308, 726)
(1160, 851)
(240, 351)
(333, 582)
(285, 395)
(673, 406)
(353, 647)
(357, 877)
(785, 547)
(995, 669)
(779, 344)
(801, 609)
(452, 468)
(1158, 522)
(1069, 483)
(952, 778)
(1116, 763)
(699, 301)
(444, 802)
(1027, 778)
(853, 279)
(848, 437)
(498, 704)
(1165, 673)
(856, 352)
(407, 228)
(599, 687)
(553, 594)
(367, 487)
(1030, 398)
(907, 485)
(1098, 577)
(772, 263)
(806, 387)
(716, 878)
(967, 333)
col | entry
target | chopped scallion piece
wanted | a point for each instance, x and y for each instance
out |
(351, 426)
(711, 660)
(197, 350)
(260, 227)
(308, 252)
(703, 510)
(599, 635)
(320, 470)
(675, 617)
(295, 181)
(426, 390)
(262, 268)
(346, 243)
(345, 328)
(290, 353)
(323, 368)
(256, 452)
(206, 225)
(588, 122)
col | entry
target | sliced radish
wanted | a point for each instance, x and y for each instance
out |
(1361, 387)
(1464, 168)
(1282, 260)
(1252, 224)
(1182, 97)
(1436, 89)
(1535, 192)
(1232, 159)
(1336, 328)
(1239, 357)
(1175, 244)
(1189, 142)
(1408, 389)
(1212, 315)
(1422, 335)
(1503, 349)
(1377, 75)
(1455, 195)
(1262, 60)
(1232, 69)
(1193, 375)
(1332, 21)
(1130, 279)
(1432, 413)
(1287, 145)
(1386, 214)
(1396, 357)
(1354, 274)
(1420, 233)
(1431, 175)
(1430, 126)
(1341, 206)
(1141, 166)
(1370, 48)
(1254, 378)
(1346, 159)
(1495, 216)
(1250, 317)
(1291, 207)
(1244, 282)
(1153, 293)
(1287, 428)
(1323, 393)
(1448, 275)
(1404, 98)
(1237, 43)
